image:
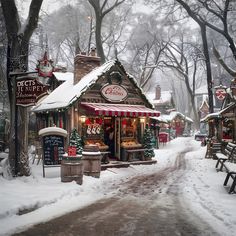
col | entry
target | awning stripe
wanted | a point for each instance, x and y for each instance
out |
(122, 110)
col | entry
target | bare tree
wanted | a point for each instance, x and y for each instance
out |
(3, 84)
(101, 9)
(181, 57)
(146, 44)
(202, 26)
(18, 35)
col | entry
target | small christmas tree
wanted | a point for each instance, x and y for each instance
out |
(76, 141)
(147, 143)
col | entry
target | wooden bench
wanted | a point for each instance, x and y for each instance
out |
(231, 173)
(216, 147)
(212, 149)
(132, 152)
(225, 160)
(228, 154)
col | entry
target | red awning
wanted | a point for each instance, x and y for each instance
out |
(123, 110)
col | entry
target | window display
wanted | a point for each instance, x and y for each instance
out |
(93, 132)
(101, 145)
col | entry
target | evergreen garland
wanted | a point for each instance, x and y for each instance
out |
(147, 143)
(76, 141)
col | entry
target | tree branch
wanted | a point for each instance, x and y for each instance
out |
(223, 64)
(11, 16)
(32, 20)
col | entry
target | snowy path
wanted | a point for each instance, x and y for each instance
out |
(146, 204)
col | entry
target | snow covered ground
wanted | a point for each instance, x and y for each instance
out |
(26, 201)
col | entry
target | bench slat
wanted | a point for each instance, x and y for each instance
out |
(228, 154)
(224, 159)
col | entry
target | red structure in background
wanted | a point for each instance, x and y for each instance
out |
(163, 137)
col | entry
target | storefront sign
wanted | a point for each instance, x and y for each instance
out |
(29, 90)
(220, 93)
(114, 93)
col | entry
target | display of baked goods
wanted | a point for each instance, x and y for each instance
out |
(132, 143)
(101, 145)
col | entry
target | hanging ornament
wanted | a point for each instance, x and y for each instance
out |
(45, 66)
(87, 121)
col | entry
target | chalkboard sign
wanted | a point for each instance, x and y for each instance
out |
(53, 149)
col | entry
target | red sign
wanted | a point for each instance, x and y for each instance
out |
(71, 151)
(221, 93)
(29, 90)
(114, 92)
(163, 137)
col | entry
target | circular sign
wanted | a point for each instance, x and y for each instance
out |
(220, 94)
(114, 92)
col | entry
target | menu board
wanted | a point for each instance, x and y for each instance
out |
(53, 149)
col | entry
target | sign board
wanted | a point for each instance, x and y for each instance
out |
(163, 137)
(114, 92)
(29, 90)
(220, 93)
(72, 151)
(53, 149)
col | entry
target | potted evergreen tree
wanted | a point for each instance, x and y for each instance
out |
(76, 141)
(147, 143)
(72, 166)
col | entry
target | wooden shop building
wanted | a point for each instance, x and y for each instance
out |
(224, 121)
(103, 102)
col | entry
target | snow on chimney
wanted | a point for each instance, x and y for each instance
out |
(83, 64)
(158, 92)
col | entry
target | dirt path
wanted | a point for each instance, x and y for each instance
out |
(144, 205)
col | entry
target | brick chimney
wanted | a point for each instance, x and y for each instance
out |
(83, 64)
(158, 92)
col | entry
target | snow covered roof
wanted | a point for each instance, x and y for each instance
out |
(53, 131)
(168, 118)
(219, 113)
(165, 97)
(63, 76)
(160, 118)
(204, 103)
(68, 92)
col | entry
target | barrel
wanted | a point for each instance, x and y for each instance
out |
(72, 169)
(91, 158)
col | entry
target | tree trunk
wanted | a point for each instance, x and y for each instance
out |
(24, 168)
(98, 38)
(17, 61)
(208, 67)
(202, 25)
(18, 142)
(100, 12)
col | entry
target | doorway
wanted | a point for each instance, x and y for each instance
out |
(109, 135)
(117, 138)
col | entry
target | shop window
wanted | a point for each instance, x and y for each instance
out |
(93, 133)
(129, 127)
